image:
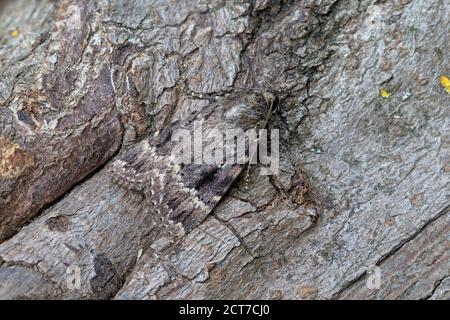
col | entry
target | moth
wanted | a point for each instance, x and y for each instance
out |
(183, 194)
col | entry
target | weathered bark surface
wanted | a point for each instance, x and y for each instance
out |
(82, 81)
(57, 118)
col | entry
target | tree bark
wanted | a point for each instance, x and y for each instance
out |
(365, 148)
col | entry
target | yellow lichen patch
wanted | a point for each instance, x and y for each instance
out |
(445, 82)
(15, 33)
(384, 93)
(13, 160)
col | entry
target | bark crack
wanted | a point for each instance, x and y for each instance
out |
(393, 251)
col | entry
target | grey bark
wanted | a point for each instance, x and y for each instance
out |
(83, 82)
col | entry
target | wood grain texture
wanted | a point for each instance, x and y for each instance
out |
(364, 179)
(58, 122)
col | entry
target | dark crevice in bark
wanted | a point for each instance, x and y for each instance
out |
(236, 234)
(394, 250)
(303, 59)
(436, 286)
(63, 195)
(413, 236)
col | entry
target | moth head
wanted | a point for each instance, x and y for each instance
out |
(248, 110)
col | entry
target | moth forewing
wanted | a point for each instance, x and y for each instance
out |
(187, 192)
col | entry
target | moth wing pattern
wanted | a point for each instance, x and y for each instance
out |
(185, 194)
(127, 177)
